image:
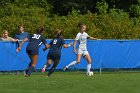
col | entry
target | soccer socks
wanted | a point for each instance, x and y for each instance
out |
(71, 64)
(27, 68)
(88, 67)
(46, 66)
(31, 69)
(52, 70)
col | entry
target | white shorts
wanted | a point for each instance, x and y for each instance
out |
(83, 52)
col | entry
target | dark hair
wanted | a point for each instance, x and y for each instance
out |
(40, 30)
(81, 25)
(20, 26)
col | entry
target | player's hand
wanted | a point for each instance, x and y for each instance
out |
(44, 49)
(18, 49)
(71, 43)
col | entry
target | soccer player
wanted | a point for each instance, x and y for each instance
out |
(81, 37)
(54, 53)
(32, 49)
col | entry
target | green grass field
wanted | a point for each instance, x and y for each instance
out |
(71, 82)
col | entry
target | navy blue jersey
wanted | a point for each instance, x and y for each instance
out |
(35, 41)
(56, 44)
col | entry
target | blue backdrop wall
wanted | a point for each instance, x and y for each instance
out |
(104, 54)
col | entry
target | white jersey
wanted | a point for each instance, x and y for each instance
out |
(82, 38)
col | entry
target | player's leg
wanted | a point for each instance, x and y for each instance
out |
(56, 62)
(73, 62)
(47, 65)
(56, 59)
(29, 52)
(87, 57)
(27, 68)
(34, 59)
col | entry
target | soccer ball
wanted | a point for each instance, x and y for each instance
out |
(90, 73)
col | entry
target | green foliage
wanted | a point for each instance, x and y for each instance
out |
(108, 23)
(31, 17)
(102, 7)
(138, 2)
(135, 10)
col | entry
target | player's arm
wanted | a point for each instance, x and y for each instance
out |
(46, 47)
(67, 45)
(19, 48)
(45, 43)
(92, 38)
(75, 42)
(74, 45)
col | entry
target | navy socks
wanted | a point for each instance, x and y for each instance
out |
(30, 70)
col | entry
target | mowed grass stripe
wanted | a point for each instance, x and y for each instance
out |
(71, 82)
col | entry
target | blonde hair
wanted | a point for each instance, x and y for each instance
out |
(58, 33)
(81, 25)
(4, 31)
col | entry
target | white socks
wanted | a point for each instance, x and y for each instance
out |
(88, 67)
(45, 66)
(71, 64)
(74, 63)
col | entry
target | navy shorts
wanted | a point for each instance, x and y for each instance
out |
(54, 56)
(32, 52)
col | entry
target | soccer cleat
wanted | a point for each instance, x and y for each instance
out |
(43, 70)
(65, 68)
(25, 72)
(47, 76)
(27, 75)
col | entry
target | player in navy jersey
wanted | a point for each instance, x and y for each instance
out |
(32, 49)
(54, 53)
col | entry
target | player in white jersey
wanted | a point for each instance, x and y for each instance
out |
(81, 37)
